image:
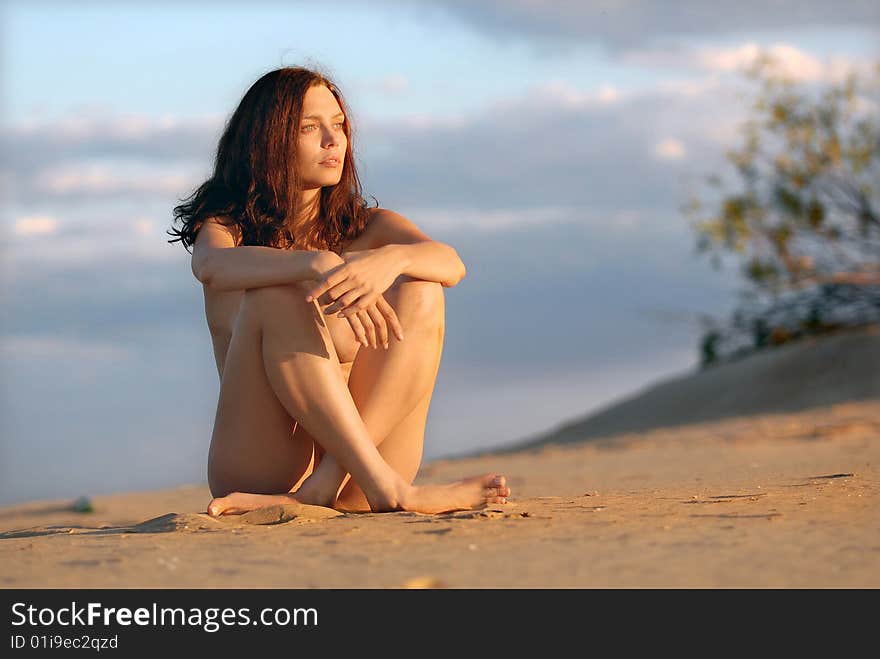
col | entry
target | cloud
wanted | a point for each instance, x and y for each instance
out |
(60, 348)
(787, 60)
(88, 232)
(561, 92)
(607, 94)
(91, 153)
(635, 23)
(577, 146)
(35, 225)
(98, 179)
(97, 124)
(143, 225)
(555, 144)
(489, 220)
(669, 149)
(502, 219)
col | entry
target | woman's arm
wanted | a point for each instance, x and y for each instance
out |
(419, 256)
(240, 268)
(430, 260)
(222, 266)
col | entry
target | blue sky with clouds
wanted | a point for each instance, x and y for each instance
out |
(550, 143)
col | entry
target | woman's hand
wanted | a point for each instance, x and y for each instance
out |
(353, 285)
(356, 284)
(371, 325)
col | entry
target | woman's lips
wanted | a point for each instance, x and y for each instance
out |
(330, 162)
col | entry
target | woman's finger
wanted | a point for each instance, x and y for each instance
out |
(345, 300)
(331, 279)
(341, 288)
(358, 328)
(358, 304)
(381, 325)
(369, 328)
(391, 315)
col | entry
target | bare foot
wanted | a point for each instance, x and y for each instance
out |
(465, 494)
(238, 503)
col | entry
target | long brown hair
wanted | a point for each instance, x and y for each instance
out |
(256, 186)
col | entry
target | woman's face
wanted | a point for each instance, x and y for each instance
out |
(322, 142)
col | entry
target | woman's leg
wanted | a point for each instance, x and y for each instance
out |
(392, 388)
(303, 371)
(254, 447)
(403, 449)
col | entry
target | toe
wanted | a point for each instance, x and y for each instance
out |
(215, 507)
(494, 480)
(497, 491)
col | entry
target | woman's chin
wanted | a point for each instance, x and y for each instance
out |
(324, 181)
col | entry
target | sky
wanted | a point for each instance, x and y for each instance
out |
(552, 144)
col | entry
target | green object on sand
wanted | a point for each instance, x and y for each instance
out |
(83, 505)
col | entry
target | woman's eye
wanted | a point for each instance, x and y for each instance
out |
(309, 127)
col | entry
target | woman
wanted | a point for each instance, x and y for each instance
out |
(316, 404)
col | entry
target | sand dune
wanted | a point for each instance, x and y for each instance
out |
(816, 372)
(760, 473)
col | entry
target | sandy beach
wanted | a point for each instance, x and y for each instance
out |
(776, 499)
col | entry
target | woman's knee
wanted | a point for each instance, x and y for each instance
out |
(417, 298)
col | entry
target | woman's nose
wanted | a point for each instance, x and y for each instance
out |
(330, 139)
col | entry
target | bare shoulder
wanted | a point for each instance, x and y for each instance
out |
(388, 227)
(222, 224)
(212, 233)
